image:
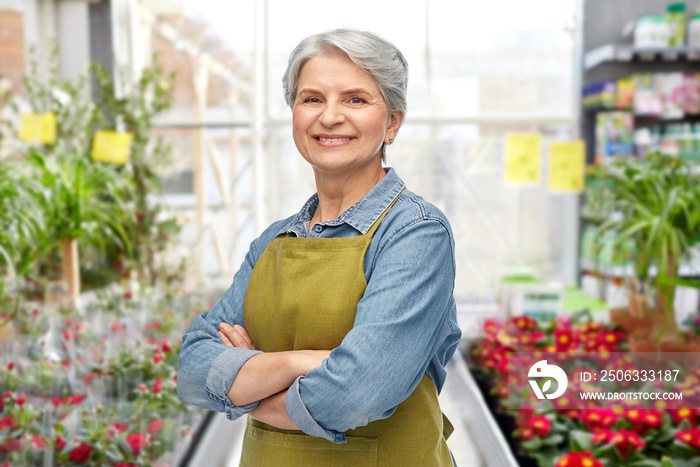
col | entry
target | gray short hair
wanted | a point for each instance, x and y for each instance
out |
(367, 50)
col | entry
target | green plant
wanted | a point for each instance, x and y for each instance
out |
(144, 100)
(657, 204)
(80, 200)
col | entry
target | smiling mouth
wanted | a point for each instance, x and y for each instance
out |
(331, 140)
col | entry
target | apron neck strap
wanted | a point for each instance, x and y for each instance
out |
(374, 226)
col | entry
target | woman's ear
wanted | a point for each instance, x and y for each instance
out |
(395, 121)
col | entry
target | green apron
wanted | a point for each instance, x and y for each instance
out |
(303, 294)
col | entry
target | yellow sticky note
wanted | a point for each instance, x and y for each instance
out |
(110, 146)
(38, 128)
(523, 156)
(567, 166)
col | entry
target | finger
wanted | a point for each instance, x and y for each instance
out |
(224, 339)
(233, 336)
(244, 334)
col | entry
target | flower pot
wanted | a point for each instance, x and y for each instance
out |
(683, 342)
(642, 344)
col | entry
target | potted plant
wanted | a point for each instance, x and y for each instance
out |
(657, 210)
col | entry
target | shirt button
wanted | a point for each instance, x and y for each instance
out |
(318, 228)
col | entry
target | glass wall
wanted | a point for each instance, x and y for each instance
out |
(477, 72)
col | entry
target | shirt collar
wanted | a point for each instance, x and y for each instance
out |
(360, 215)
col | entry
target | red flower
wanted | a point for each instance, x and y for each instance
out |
(56, 401)
(626, 441)
(524, 322)
(117, 427)
(10, 445)
(10, 366)
(38, 442)
(60, 443)
(155, 426)
(579, 459)
(540, 425)
(599, 418)
(7, 422)
(80, 453)
(691, 415)
(690, 436)
(75, 399)
(157, 385)
(157, 358)
(491, 326)
(644, 419)
(603, 436)
(565, 339)
(137, 441)
(127, 294)
(20, 400)
(165, 347)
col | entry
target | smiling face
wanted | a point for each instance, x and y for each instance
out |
(340, 119)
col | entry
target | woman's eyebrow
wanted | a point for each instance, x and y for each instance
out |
(356, 91)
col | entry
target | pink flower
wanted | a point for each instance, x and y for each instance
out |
(7, 422)
(37, 442)
(127, 294)
(165, 347)
(157, 358)
(158, 385)
(142, 387)
(10, 445)
(137, 441)
(155, 426)
(75, 399)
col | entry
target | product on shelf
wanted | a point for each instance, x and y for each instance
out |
(600, 94)
(669, 90)
(614, 134)
(625, 94)
(676, 24)
(694, 31)
(691, 93)
(646, 101)
(651, 31)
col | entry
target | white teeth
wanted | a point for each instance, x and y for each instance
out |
(333, 140)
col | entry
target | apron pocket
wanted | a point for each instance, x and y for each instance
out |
(263, 447)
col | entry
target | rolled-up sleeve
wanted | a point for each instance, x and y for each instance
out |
(404, 320)
(207, 366)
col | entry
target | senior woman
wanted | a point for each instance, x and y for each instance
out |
(334, 335)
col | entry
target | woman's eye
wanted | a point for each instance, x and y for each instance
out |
(357, 100)
(313, 100)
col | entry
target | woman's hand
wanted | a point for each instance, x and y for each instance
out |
(235, 336)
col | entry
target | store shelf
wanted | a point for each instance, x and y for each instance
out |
(685, 269)
(477, 417)
(612, 53)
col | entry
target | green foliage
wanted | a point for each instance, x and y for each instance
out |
(657, 208)
(151, 95)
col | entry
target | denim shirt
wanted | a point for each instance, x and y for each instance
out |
(405, 325)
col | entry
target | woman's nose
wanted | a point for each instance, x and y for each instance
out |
(332, 115)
